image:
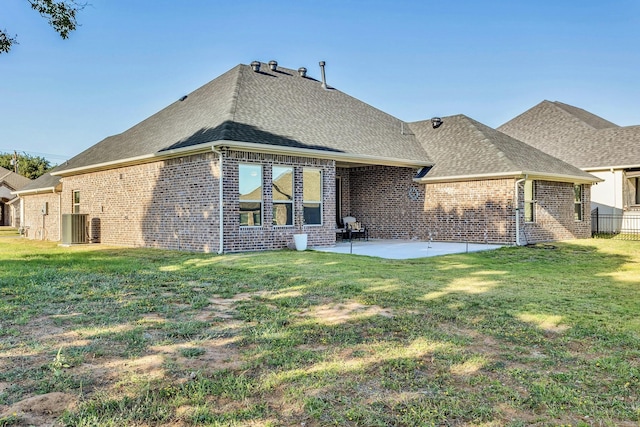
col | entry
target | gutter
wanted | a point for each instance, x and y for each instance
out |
(608, 168)
(321, 154)
(531, 175)
(36, 191)
(220, 202)
(147, 158)
(245, 146)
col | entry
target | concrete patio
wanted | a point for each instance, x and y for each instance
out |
(403, 249)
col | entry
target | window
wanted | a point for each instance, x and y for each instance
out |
(250, 185)
(529, 201)
(577, 202)
(637, 201)
(282, 191)
(76, 201)
(312, 196)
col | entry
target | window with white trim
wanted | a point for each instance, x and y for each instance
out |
(577, 202)
(529, 200)
(282, 193)
(250, 186)
(76, 201)
(312, 196)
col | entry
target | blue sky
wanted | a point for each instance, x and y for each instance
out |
(489, 59)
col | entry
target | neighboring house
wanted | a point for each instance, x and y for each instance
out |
(597, 146)
(9, 210)
(263, 152)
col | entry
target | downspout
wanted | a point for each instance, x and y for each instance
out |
(615, 205)
(518, 182)
(59, 215)
(220, 202)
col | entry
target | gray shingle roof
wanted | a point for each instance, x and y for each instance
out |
(463, 147)
(46, 181)
(275, 108)
(576, 136)
(14, 180)
(585, 116)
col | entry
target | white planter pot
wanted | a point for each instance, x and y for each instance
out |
(300, 242)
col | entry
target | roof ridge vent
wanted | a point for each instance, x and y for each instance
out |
(255, 66)
(302, 71)
(273, 65)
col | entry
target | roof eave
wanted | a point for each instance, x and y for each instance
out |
(321, 154)
(147, 158)
(608, 168)
(562, 177)
(245, 146)
(516, 174)
(34, 191)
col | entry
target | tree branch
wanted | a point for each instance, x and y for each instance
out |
(60, 14)
(6, 41)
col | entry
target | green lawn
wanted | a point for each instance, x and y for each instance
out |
(545, 335)
(8, 231)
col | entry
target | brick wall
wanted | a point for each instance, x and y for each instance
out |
(39, 226)
(268, 236)
(170, 204)
(14, 214)
(345, 195)
(378, 196)
(173, 204)
(554, 213)
(472, 211)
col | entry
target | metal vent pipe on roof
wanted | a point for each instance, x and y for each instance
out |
(302, 71)
(255, 66)
(436, 122)
(324, 79)
(273, 65)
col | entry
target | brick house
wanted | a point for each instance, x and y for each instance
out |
(595, 145)
(10, 182)
(262, 152)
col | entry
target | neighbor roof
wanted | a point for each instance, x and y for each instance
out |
(44, 183)
(576, 136)
(279, 109)
(463, 148)
(13, 180)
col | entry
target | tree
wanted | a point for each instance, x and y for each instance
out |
(30, 166)
(60, 14)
